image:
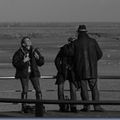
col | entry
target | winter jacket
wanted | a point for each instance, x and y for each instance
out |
(22, 68)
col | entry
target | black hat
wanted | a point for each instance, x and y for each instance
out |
(82, 28)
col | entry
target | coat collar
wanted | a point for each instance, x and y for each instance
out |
(21, 48)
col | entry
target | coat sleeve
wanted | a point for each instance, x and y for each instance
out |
(41, 60)
(98, 50)
(17, 61)
(57, 61)
(68, 50)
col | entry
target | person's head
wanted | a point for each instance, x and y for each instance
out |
(81, 29)
(26, 42)
(71, 39)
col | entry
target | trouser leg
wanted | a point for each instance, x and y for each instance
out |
(84, 92)
(72, 93)
(94, 90)
(39, 106)
(36, 85)
(61, 95)
(24, 83)
(24, 96)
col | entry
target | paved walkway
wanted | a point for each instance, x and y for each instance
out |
(57, 114)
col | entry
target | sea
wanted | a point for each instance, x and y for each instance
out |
(49, 37)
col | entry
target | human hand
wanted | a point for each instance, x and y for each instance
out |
(36, 55)
(26, 58)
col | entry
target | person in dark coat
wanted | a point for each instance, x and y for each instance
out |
(86, 53)
(65, 72)
(26, 61)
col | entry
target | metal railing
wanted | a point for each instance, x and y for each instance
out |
(39, 112)
(53, 77)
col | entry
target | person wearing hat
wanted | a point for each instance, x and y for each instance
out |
(65, 72)
(86, 53)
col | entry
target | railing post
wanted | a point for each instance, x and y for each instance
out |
(39, 110)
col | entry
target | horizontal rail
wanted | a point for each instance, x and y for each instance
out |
(52, 90)
(39, 112)
(33, 101)
(53, 77)
(109, 77)
(42, 77)
(39, 108)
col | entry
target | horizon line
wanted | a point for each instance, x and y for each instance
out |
(60, 22)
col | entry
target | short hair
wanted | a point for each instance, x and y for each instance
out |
(71, 39)
(23, 39)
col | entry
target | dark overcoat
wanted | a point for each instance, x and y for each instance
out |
(62, 62)
(86, 54)
(22, 68)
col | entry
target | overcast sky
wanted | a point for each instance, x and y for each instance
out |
(59, 10)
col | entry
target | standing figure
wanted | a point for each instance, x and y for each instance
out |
(65, 72)
(26, 61)
(86, 53)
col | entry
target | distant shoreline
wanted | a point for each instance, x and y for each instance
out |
(50, 24)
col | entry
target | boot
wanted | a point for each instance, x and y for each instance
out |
(98, 108)
(40, 109)
(38, 96)
(73, 108)
(24, 106)
(62, 108)
(86, 108)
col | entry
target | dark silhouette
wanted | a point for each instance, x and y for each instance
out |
(65, 72)
(86, 53)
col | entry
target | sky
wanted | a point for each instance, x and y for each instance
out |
(59, 10)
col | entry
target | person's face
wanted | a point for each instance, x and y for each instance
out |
(27, 43)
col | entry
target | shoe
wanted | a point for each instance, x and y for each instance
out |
(85, 110)
(24, 109)
(73, 109)
(62, 109)
(67, 107)
(100, 109)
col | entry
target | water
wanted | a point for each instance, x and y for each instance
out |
(48, 37)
